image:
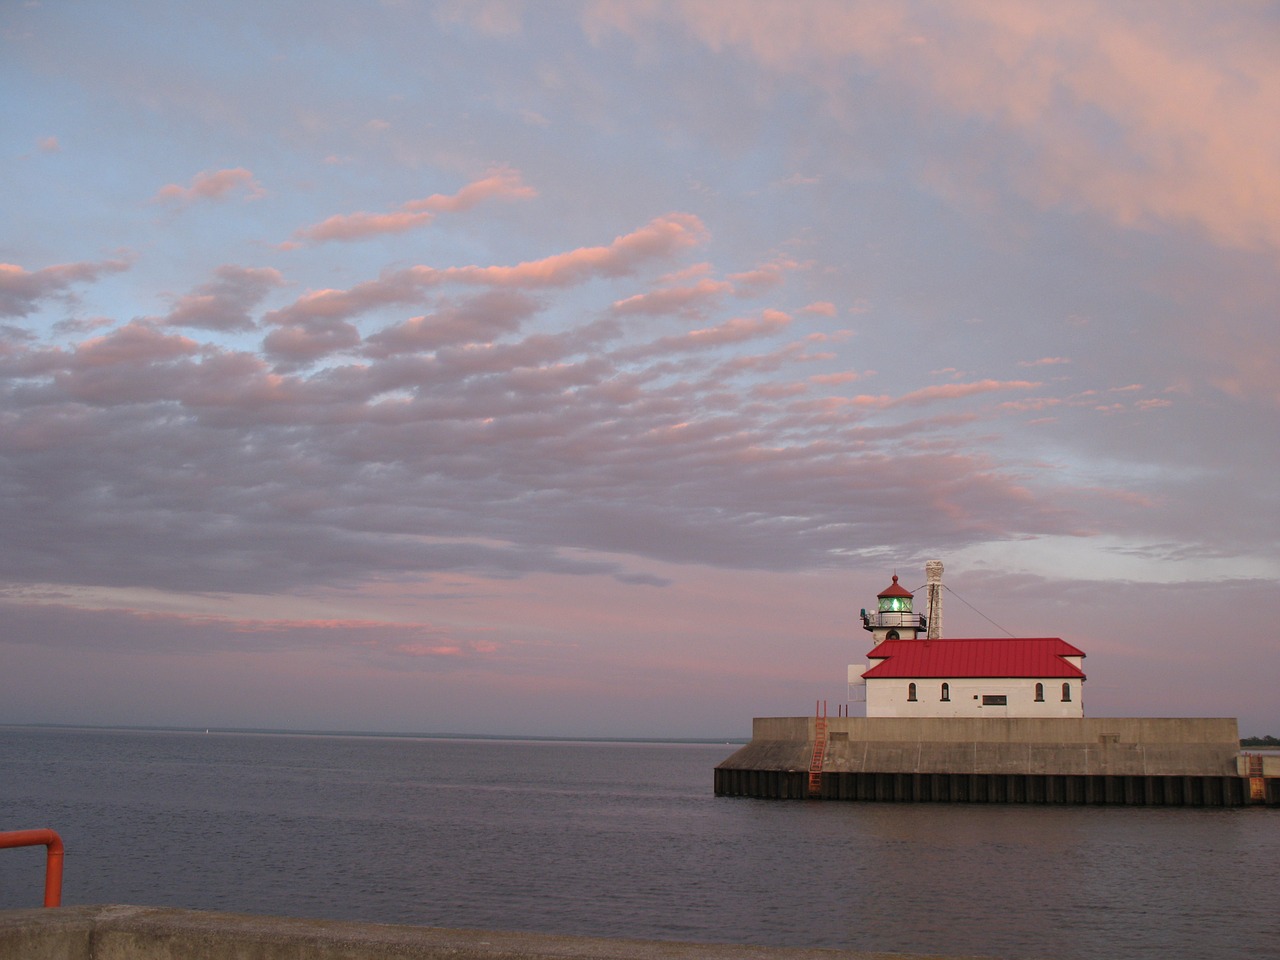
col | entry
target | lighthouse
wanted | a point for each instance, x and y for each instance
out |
(914, 672)
(989, 719)
(893, 618)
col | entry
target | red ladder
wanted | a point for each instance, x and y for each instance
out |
(819, 751)
(1257, 784)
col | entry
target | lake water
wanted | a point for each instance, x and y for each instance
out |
(619, 840)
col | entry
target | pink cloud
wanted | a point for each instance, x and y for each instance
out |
(135, 364)
(49, 145)
(765, 277)
(480, 319)
(765, 363)
(691, 272)
(226, 384)
(502, 184)
(428, 650)
(741, 328)
(827, 379)
(1031, 404)
(657, 240)
(673, 299)
(660, 238)
(392, 289)
(357, 226)
(779, 391)
(134, 343)
(212, 185)
(820, 308)
(225, 302)
(1044, 362)
(1109, 109)
(301, 343)
(829, 336)
(736, 330)
(21, 290)
(943, 392)
(158, 632)
(401, 466)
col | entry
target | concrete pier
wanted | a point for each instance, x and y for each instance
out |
(153, 933)
(1095, 760)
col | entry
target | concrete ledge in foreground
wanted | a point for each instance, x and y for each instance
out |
(157, 933)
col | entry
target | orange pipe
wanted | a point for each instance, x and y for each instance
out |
(53, 861)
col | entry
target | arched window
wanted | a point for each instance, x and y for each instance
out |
(911, 691)
(946, 691)
(892, 635)
(1066, 693)
(1039, 693)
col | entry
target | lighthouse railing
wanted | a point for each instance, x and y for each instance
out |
(895, 618)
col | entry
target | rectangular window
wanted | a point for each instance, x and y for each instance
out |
(995, 700)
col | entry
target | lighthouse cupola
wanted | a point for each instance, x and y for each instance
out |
(893, 618)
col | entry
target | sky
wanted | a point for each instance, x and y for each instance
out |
(583, 368)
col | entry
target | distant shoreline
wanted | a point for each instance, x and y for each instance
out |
(370, 734)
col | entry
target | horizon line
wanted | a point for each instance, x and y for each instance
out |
(403, 735)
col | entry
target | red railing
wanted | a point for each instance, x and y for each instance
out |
(53, 861)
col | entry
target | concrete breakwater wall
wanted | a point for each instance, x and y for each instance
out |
(1183, 762)
(153, 933)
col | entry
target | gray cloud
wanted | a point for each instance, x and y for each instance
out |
(22, 291)
(148, 458)
(226, 301)
(482, 318)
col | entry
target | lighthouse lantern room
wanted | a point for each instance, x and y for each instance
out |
(894, 619)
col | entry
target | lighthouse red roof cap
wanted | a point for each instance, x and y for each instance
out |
(895, 589)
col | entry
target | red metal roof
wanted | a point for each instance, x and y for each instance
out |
(895, 590)
(997, 657)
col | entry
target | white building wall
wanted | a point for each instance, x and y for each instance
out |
(890, 698)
